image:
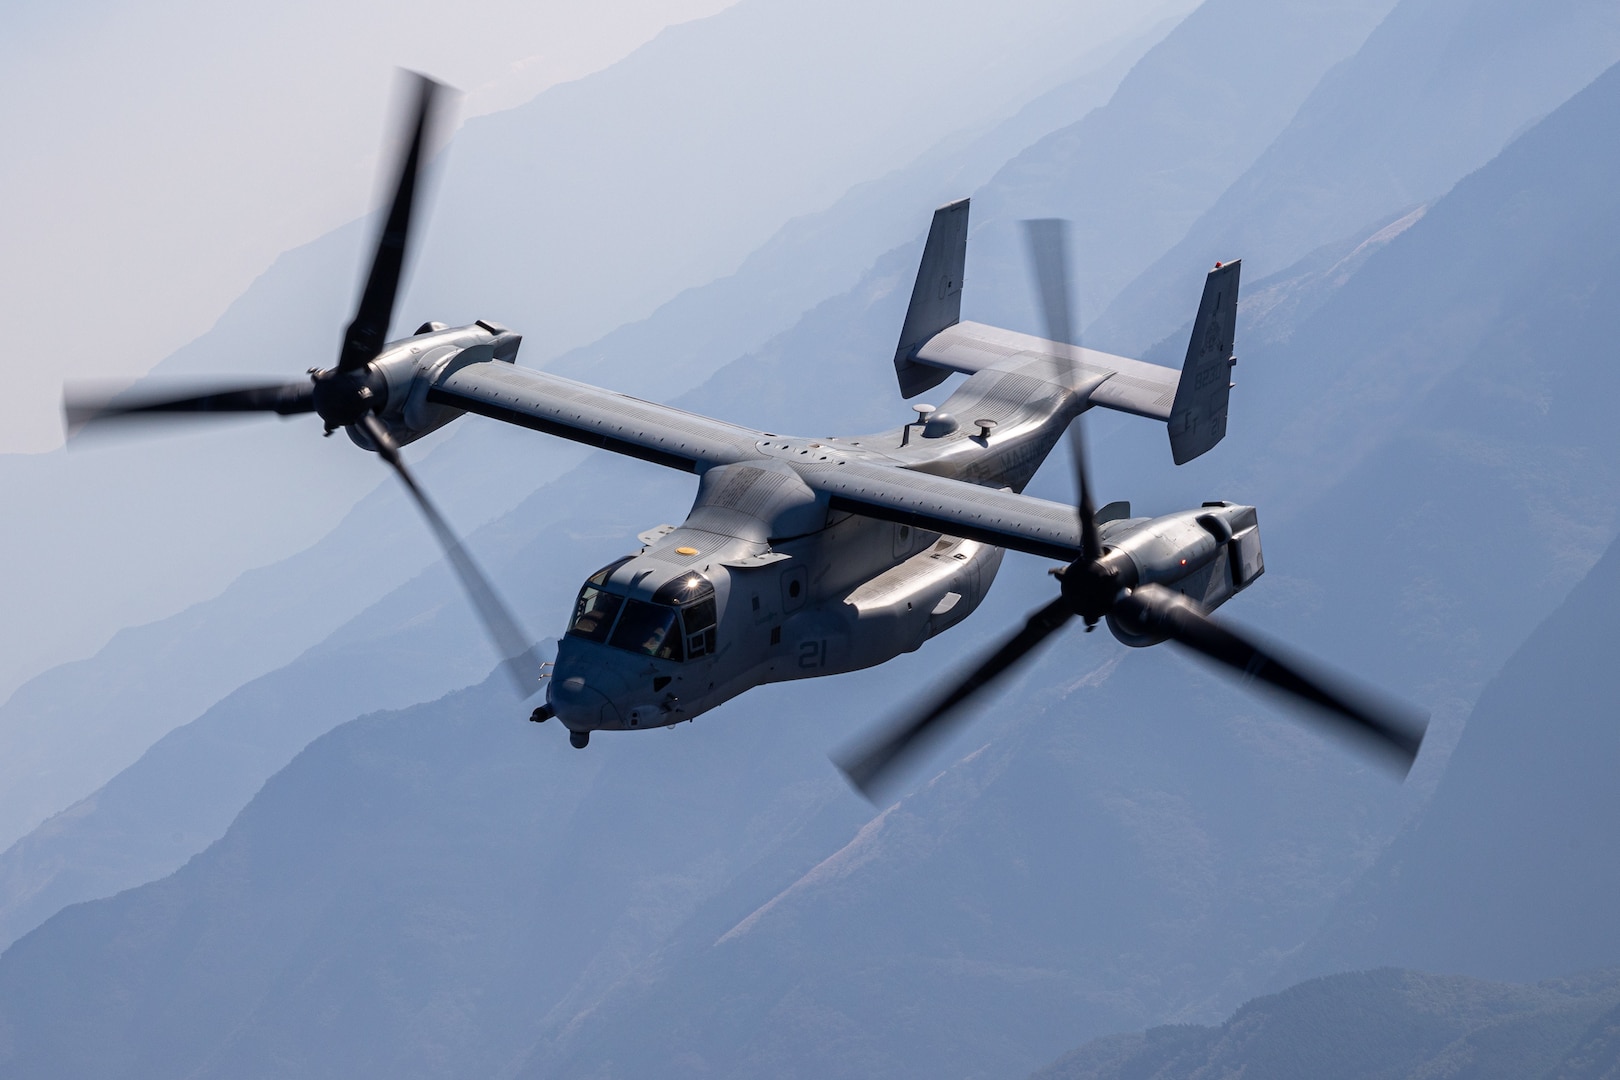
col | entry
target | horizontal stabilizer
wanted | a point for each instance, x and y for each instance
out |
(1133, 386)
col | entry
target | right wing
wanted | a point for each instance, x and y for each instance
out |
(953, 507)
(596, 417)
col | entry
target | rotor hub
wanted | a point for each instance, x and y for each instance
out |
(343, 397)
(1091, 587)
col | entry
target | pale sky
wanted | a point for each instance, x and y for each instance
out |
(160, 154)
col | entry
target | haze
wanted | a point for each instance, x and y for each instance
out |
(161, 155)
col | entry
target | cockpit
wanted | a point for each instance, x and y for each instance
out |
(677, 623)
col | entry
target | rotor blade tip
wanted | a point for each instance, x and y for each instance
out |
(851, 776)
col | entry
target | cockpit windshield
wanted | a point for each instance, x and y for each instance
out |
(679, 623)
(651, 629)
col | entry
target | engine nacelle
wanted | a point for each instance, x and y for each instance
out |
(1209, 555)
(406, 370)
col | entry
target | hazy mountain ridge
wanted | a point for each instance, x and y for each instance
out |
(1130, 199)
(1463, 351)
(1435, 92)
(1510, 879)
(1387, 1023)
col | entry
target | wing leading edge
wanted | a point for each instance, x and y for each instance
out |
(596, 417)
(954, 507)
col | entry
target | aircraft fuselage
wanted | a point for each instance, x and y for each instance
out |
(766, 580)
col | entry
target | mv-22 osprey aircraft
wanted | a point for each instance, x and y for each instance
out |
(804, 557)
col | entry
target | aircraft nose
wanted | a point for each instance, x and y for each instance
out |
(579, 705)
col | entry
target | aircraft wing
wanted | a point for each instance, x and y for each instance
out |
(596, 417)
(690, 442)
(954, 507)
(1135, 386)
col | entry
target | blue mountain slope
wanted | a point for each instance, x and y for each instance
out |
(1434, 93)
(1384, 1023)
(1186, 123)
(1451, 415)
(1511, 871)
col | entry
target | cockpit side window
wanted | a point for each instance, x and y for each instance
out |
(594, 612)
(649, 629)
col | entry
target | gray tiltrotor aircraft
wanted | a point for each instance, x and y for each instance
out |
(812, 556)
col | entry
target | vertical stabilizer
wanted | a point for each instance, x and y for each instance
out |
(1198, 417)
(936, 299)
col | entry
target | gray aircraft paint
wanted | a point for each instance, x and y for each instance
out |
(831, 554)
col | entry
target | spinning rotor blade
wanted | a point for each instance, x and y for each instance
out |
(1393, 728)
(82, 406)
(1047, 240)
(869, 767)
(518, 656)
(366, 334)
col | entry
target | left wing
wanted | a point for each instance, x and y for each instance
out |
(953, 507)
(596, 417)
